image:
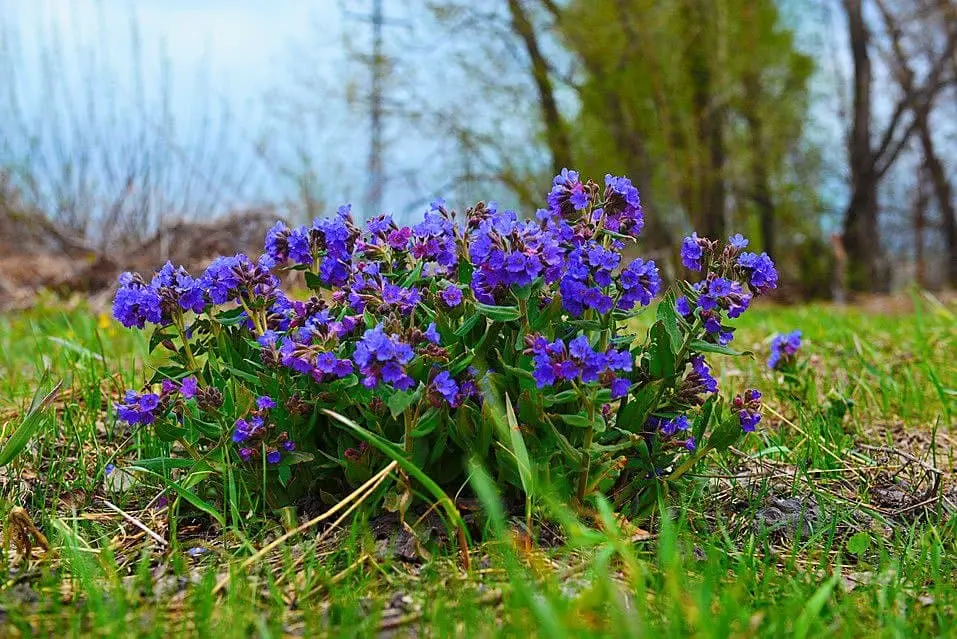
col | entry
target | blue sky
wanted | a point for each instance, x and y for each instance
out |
(281, 70)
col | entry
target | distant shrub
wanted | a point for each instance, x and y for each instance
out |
(484, 336)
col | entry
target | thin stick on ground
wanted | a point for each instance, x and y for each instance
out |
(136, 522)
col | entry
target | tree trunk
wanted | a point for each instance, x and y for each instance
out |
(943, 193)
(707, 202)
(555, 134)
(861, 233)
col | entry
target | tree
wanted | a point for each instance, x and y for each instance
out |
(870, 163)
(703, 102)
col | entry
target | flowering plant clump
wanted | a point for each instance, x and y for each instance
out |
(784, 349)
(478, 336)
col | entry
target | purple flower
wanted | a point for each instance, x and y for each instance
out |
(670, 426)
(432, 334)
(264, 402)
(691, 252)
(554, 362)
(452, 296)
(189, 387)
(683, 306)
(446, 386)
(277, 242)
(760, 269)
(749, 420)
(245, 453)
(702, 375)
(567, 194)
(622, 210)
(737, 242)
(748, 406)
(273, 456)
(136, 303)
(639, 282)
(619, 387)
(138, 408)
(383, 357)
(784, 347)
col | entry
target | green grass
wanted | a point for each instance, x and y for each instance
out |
(868, 566)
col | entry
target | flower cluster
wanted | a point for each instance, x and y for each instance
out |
(784, 348)
(554, 362)
(144, 408)
(748, 407)
(382, 358)
(732, 280)
(257, 434)
(410, 331)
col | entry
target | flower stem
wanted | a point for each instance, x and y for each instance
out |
(586, 454)
(689, 463)
(187, 349)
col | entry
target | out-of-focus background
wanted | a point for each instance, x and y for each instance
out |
(135, 131)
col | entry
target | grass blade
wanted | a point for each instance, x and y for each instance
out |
(29, 425)
(392, 451)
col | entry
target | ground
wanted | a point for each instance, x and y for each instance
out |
(836, 518)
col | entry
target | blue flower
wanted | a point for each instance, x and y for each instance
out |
(432, 334)
(670, 426)
(702, 375)
(189, 387)
(639, 282)
(264, 402)
(737, 242)
(619, 387)
(622, 208)
(136, 303)
(138, 408)
(273, 456)
(452, 296)
(748, 406)
(383, 357)
(446, 386)
(760, 269)
(783, 349)
(692, 252)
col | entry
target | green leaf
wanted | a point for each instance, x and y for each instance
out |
(313, 281)
(157, 464)
(467, 325)
(285, 474)
(427, 423)
(579, 420)
(668, 316)
(560, 398)
(518, 449)
(707, 347)
(727, 432)
(641, 404)
(498, 313)
(661, 364)
(413, 275)
(187, 494)
(393, 452)
(232, 317)
(859, 543)
(294, 457)
(703, 419)
(401, 400)
(814, 606)
(35, 418)
(167, 430)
